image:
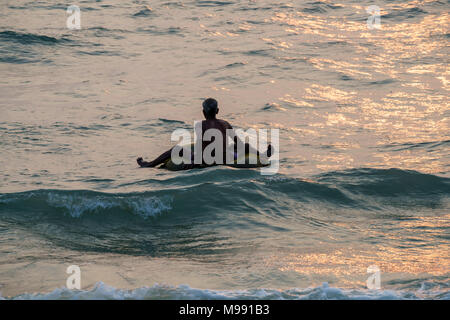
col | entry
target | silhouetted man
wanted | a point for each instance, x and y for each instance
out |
(210, 111)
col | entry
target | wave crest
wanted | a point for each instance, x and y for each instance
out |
(79, 203)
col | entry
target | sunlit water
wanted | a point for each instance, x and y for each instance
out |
(364, 149)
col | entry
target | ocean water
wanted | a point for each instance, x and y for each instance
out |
(364, 170)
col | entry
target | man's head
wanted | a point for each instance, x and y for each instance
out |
(210, 108)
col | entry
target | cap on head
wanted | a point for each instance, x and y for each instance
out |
(210, 107)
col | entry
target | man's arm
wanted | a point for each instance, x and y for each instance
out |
(248, 147)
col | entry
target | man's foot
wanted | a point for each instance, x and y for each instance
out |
(140, 161)
(143, 164)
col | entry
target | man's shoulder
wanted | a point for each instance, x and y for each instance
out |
(225, 123)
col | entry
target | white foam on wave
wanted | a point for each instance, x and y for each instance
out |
(77, 205)
(102, 291)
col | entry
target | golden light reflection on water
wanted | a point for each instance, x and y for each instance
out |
(415, 115)
(350, 266)
(296, 102)
(384, 48)
(396, 123)
(340, 263)
(405, 254)
(327, 93)
(340, 66)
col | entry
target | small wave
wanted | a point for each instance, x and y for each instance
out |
(213, 3)
(99, 53)
(21, 48)
(260, 52)
(273, 107)
(320, 7)
(162, 32)
(235, 64)
(430, 145)
(380, 82)
(166, 125)
(79, 203)
(222, 199)
(146, 12)
(100, 32)
(236, 189)
(30, 38)
(405, 14)
(76, 206)
(17, 60)
(102, 291)
(388, 182)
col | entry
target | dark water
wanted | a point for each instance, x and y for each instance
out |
(364, 150)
